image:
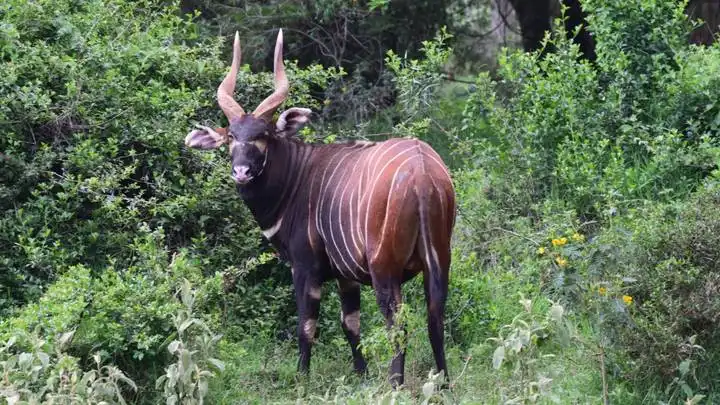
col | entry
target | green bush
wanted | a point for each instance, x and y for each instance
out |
(104, 210)
(584, 183)
(93, 116)
(670, 258)
(186, 381)
(43, 373)
(633, 126)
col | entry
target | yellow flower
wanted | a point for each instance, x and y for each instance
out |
(627, 299)
(578, 237)
(561, 261)
(541, 250)
(602, 290)
(559, 242)
(327, 101)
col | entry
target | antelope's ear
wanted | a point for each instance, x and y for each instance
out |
(291, 120)
(206, 137)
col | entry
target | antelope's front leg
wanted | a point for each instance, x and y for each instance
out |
(307, 295)
(350, 318)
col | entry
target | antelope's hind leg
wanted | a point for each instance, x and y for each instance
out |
(435, 253)
(389, 298)
(435, 297)
(349, 292)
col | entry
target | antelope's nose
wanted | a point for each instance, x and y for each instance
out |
(240, 174)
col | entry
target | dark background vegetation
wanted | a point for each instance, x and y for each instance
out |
(582, 136)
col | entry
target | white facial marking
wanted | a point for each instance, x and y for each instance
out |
(261, 145)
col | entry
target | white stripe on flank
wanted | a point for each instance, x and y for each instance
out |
(374, 157)
(330, 212)
(387, 204)
(353, 227)
(439, 163)
(310, 215)
(340, 216)
(367, 189)
(269, 233)
(321, 194)
(372, 188)
(427, 244)
(441, 193)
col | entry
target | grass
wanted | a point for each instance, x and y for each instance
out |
(262, 370)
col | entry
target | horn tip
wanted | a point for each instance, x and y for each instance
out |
(279, 44)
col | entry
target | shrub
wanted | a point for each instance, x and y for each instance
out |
(614, 154)
(104, 210)
(672, 263)
(596, 136)
(46, 375)
(186, 381)
(93, 114)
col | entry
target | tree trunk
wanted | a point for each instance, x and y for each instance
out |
(574, 17)
(709, 12)
(534, 19)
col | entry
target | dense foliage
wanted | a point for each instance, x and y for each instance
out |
(586, 253)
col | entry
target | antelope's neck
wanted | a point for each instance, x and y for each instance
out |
(273, 191)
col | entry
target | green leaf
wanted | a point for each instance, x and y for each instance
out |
(186, 325)
(684, 367)
(695, 399)
(65, 339)
(24, 360)
(186, 359)
(160, 381)
(217, 363)
(10, 342)
(498, 357)
(173, 346)
(686, 389)
(556, 313)
(44, 358)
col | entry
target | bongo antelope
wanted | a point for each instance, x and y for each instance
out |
(374, 213)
